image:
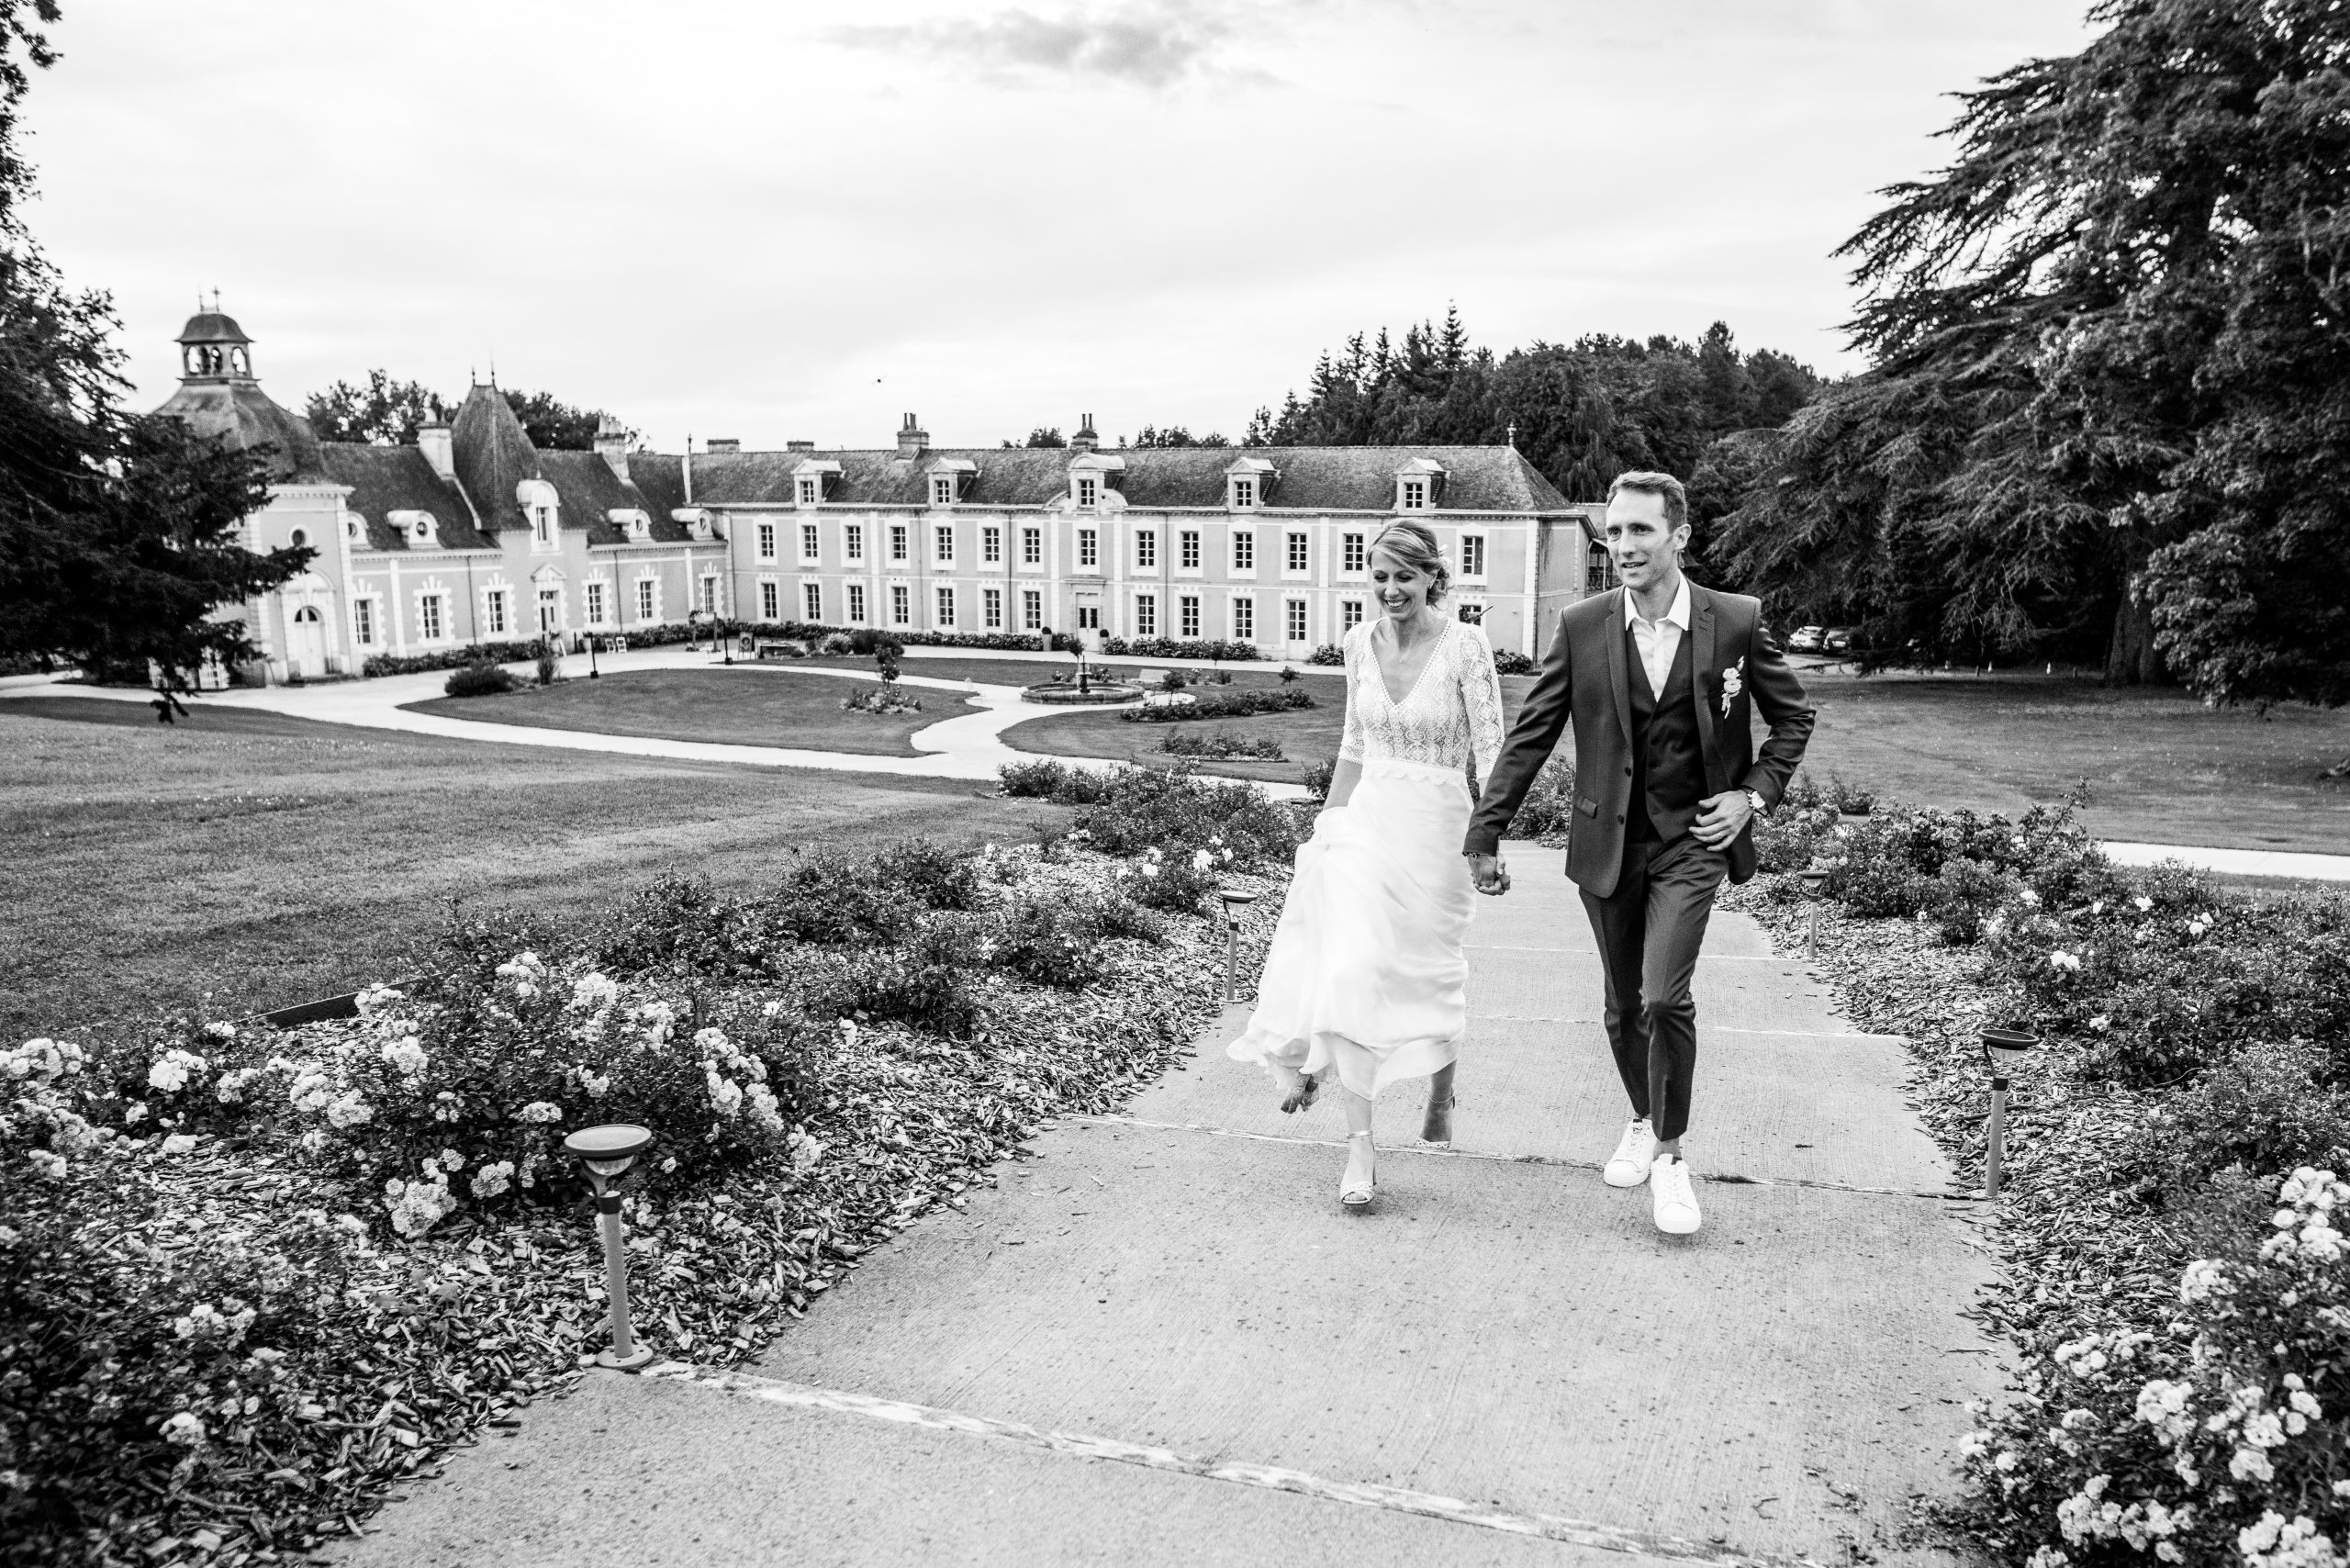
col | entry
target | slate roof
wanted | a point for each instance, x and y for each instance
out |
(493, 456)
(589, 490)
(1357, 478)
(237, 412)
(384, 479)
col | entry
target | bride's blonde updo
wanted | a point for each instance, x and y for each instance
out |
(1414, 544)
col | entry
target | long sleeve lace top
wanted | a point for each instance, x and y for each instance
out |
(1451, 719)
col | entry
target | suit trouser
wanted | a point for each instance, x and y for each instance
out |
(1649, 930)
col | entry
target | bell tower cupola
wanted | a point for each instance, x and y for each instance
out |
(213, 348)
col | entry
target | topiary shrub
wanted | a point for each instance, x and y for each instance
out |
(479, 680)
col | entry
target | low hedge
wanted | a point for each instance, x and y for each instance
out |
(379, 665)
(1173, 648)
(1507, 661)
(1221, 704)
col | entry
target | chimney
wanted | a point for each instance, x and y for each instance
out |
(800, 446)
(912, 439)
(612, 440)
(721, 443)
(1085, 440)
(439, 447)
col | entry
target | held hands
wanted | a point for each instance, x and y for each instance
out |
(1489, 874)
(1721, 818)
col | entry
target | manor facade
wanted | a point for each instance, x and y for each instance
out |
(475, 535)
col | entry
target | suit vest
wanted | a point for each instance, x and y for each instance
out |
(1667, 758)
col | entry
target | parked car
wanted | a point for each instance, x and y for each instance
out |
(1806, 639)
(1839, 640)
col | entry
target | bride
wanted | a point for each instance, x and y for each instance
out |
(1365, 972)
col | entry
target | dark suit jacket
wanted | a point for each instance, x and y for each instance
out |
(1583, 678)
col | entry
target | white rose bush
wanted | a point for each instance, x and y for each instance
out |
(249, 1278)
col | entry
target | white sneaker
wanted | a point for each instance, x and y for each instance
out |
(1629, 1167)
(1672, 1199)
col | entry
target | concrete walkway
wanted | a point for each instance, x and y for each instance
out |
(1161, 1341)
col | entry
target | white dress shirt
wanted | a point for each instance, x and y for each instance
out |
(1660, 639)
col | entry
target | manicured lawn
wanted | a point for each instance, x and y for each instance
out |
(768, 706)
(257, 860)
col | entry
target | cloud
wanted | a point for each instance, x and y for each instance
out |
(1143, 46)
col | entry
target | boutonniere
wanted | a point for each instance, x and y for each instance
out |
(1733, 682)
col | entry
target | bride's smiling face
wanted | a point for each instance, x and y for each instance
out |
(1403, 592)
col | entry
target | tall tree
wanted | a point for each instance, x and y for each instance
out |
(384, 412)
(553, 425)
(1177, 435)
(2109, 412)
(119, 536)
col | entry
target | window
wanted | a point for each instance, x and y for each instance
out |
(1032, 546)
(550, 609)
(493, 618)
(1188, 550)
(811, 546)
(1297, 552)
(645, 587)
(1089, 549)
(709, 594)
(810, 491)
(991, 609)
(901, 605)
(1244, 551)
(1473, 613)
(1297, 620)
(856, 604)
(946, 540)
(770, 601)
(1089, 490)
(595, 604)
(992, 544)
(1243, 494)
(1146, 550)
(1473, 554)
(362, 621)
(1187, 611)
(1350, 614)
(853, 542)
(947, 606)
(298, 538)
(942, 490)
(1145, 615)
(1415, 495)
(1089, 618)
(1351, 553)
(1032, 610)
(897, 542)
(766, 542)
(1595, 572)
(428, 617)
(543, 524)
(812, 601)
(1244, 620)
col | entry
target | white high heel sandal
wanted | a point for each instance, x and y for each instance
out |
(1353, 1198)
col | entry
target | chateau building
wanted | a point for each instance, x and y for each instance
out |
(1267, 545)
(474, 536)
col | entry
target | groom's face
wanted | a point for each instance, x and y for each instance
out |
(1646, 548)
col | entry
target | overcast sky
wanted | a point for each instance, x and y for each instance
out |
(798, 220)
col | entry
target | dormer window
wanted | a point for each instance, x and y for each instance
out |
(1414, 496)
(633, 525)
(1089, 490)
(812, 478)
(353, 525)
(810, 491)
(1419, 484)
(942, 490)
(1243, 494)
(541, 510)
(1247, 483)
(420, 529)
(946, 478)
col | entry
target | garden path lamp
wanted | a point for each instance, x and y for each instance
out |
(1235, 901)
(593, 673)
(2001, 1049)
(1815, 884)
(604, 1153)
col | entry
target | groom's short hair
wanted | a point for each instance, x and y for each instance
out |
(1644, 482)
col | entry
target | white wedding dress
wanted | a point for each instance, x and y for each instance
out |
(1365, 971)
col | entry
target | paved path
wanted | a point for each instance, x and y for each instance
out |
(965, 746)
(1161, 1342)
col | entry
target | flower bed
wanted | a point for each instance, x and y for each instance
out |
(1238, 703)
(1173, 648)
(1219, 745)
(249, 1278)
(2170, 1273)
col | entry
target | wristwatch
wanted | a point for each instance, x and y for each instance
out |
(1761, 808)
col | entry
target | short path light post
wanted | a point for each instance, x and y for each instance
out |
(605, 1152)
(2001, 1048)
(1235, 901)
(1815, 883)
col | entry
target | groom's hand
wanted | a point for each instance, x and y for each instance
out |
(1720, 818)
(1489, 874)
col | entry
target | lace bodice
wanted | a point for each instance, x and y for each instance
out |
(1451, 719)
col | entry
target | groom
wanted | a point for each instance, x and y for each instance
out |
(1662, 680)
